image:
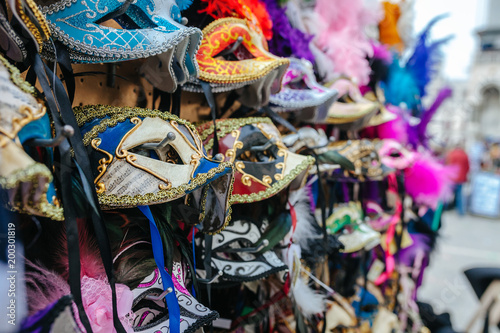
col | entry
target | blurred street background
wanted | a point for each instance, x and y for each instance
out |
(465, 242)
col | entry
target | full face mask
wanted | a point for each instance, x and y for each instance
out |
(151, 314)
(28, 183)
(263, 164)
(145, 157)
(243, 65)
(301, 92)
(111, 31)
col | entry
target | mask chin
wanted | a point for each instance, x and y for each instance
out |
(213, 201)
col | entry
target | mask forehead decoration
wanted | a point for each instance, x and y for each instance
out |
(301, 92)
(145, 157)
(23, 118)
(254, 68)
(111, 31)
(263, 164)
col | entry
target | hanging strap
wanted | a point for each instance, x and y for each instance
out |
(176, 102)
(174, 314)
(207, 90)
(61, 111)
(278, 119)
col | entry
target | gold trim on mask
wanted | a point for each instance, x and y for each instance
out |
(246, 179)
(226, 126)
(18, 123)
(40, 18)
(131, 158)
(103, 165)
(31, 174)
(15, 77)
(117, 115)
(276, 187)
(110, 201)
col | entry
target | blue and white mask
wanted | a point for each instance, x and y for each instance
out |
(99, 31)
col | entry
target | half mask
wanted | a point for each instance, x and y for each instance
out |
(111, 31)
(145, 157)
(263, 164)
(301, 92)
(28, 183)
(233, 56)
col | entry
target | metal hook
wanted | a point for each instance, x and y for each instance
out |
(233, 48)
(169, 138)
(66, 132)
(255, 249)
(265, 146)
(213, 279)
(159, 297)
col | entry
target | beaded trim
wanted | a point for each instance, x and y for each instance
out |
(14, 36)
(30, 175)
(90, 53)
(226, 126)
(112, 201)
(15, 77)
(86, 113)
(276, 187)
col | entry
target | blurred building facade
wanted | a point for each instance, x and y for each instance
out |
(483, 86)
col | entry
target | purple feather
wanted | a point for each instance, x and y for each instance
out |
(421, 242)
(287, 41)
(427, 115)
(422, 63)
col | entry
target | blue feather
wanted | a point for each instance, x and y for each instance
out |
(184, 4)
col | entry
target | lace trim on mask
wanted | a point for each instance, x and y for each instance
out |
(276, 187)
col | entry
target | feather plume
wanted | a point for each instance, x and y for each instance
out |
(421, 128)
(428, 181)
(253, 10)
(90, 259)
(309, 301)
(305, 229)
(43, 287)
(287, 41)
(341, 35)
(184, 4)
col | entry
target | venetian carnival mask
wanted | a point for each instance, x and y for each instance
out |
(232, 56)
(242, 251)
(27, 182)
(357, 157)
(111, 31)
(263, 164)
(301, 92)
(395, 155)
(150, 309)
(145, 157)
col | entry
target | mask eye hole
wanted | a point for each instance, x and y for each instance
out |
(257, 156)
(395, 153)
(167, 154)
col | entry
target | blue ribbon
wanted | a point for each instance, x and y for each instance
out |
(172, 302)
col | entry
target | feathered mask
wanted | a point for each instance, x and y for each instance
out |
(252, 10)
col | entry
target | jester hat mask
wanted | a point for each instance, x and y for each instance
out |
(111, 31)
(23, 117)
(249, 68)
(144, 157)
(301, 92)
(263, 164)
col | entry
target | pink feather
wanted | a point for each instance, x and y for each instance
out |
(43, 287)
(90, 259)
(341, 35)
(428, 181)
